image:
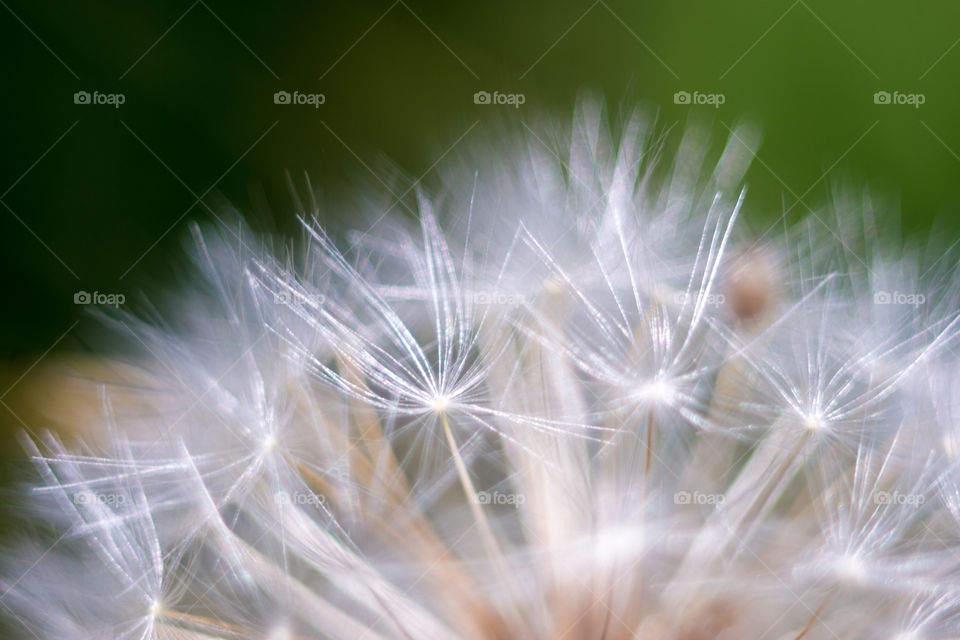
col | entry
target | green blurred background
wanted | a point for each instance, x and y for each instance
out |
(96, 198)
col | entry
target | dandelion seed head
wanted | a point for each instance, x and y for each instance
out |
(814, 422)
(850, 568)
(657, 391)
(571, 398)
(269, 443)
(440, 404)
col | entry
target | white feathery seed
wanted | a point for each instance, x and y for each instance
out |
(574, 399)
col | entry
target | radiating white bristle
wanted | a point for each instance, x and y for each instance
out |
(573, 400)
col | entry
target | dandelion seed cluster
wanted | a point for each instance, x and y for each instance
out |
(571, 400)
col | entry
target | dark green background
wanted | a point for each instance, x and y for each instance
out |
(95, 187)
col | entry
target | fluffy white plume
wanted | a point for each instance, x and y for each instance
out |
(572, 400)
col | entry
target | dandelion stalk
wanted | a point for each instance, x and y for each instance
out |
(469, 490)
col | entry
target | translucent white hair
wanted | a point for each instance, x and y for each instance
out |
(572, 399)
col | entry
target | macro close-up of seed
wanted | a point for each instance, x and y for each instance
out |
(421, 323)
